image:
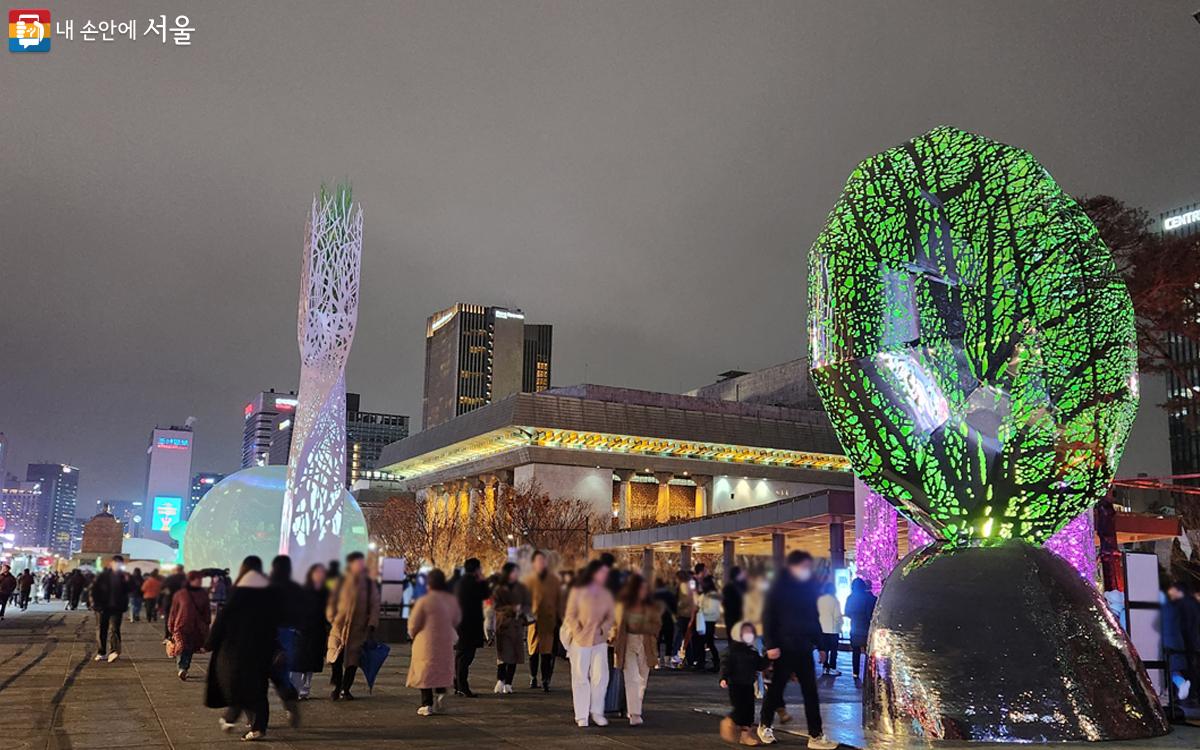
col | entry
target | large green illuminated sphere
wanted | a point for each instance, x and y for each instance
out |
(241, 514)
(971, 339)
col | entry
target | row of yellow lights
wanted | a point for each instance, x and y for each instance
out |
(499, 441)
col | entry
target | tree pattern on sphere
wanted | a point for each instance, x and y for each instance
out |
(971, 339)
(316, 474)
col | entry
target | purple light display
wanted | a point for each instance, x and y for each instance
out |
(1076, 543)
(917, 536)
(876, 550)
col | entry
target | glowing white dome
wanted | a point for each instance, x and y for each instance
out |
(147, 550)
(240, 516)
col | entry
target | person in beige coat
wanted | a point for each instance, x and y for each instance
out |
(433, 625)
(547, 602)
(635, 640)
(353, 614)
(586, 626)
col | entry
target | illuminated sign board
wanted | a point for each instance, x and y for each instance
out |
(166, 512)
(249, 410)
(285, 404)
(1181, 220)
(173, 443)
(506, 315)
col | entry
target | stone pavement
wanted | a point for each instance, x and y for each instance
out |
(53, 697)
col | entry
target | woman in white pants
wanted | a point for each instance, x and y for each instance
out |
(635, 639)
(586, 626)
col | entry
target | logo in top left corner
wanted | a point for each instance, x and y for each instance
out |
(29, 30)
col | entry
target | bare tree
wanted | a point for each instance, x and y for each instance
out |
(526, 514)
(421, 530)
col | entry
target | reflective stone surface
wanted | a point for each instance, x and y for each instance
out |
(1002, 644)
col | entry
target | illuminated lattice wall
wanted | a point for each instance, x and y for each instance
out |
(312, 508)
(971, 339)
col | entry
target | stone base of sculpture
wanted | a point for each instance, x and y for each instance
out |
(1002, 644)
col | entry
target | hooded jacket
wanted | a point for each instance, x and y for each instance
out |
(742, 662)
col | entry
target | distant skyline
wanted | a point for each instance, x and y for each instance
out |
(645, 176)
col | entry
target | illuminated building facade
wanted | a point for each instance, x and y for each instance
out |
(21, 509)
(1184, 402)
(475, 355)
(202, 482)
(59, 491)
(168, 480)
(261, 416)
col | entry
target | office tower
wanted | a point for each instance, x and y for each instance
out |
(1183, 400)
(59, 491)
(21, 509)
(260, 413)
(475, 355)
(3, 459)
(202, 482)
(168, 479)
(366, 434)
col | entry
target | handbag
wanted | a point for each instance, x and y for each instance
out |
(173, 649)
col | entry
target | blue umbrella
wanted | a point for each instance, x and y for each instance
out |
(374, 654)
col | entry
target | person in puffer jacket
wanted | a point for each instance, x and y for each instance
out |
(743, 664)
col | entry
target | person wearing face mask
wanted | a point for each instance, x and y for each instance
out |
(743, 666)
(110, 602)
(791, 631)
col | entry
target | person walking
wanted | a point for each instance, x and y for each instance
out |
(1181, 638)
(313, 631)
(353, 614)
(829, 611)
(172, 583)
(25, 587)
(546, 602)
(733, 596)
(8, 584)
(791, 631)
(743, 667)
(189, 622)
(110, 601)
(710, 610)
(289, 598)
(151, 589)
(665, 596)
(219, 592)
(242, 644)
(73, 588)
(860, 606)
(588, 620)
(510, 603)
(638, 619)
(135, 595)
(471, 591)
(433, 624)
(685, 610)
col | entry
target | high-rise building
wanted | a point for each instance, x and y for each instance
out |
(131, 513)
(168, 479)
(1183, 416)
(60, 489)
(3, 459)
(21, 509)
(366, 434)
(202, 482)
(260, 414)
(475, 355)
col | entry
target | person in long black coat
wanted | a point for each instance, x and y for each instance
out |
(243, 642)
(471, 592)
(314, 630)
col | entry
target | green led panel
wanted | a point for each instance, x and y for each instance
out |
(971, 339)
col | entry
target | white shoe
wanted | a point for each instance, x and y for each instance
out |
(581, 722)
(113, 657)
(1184, 690)
(835, 672)
(425, 711)
(438, 699)
(253, 735)
(599, 720)
(766, 735)
(820, 742)
(226, 726)
(635, 720)
(499, 689)
(98, 657)
(507, 689)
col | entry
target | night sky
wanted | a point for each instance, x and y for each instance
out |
(647, 176)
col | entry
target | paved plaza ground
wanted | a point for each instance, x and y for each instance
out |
(54, 697)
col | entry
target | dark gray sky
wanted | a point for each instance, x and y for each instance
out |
(647, 176)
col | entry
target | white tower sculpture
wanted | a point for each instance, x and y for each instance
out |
(312, 504)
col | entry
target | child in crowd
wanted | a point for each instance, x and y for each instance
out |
(742, 666)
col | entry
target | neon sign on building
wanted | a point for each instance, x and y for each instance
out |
(1172, 223)
(173, 443)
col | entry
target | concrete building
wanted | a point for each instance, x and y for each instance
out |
(786, 384)
(475, 355)
(261, 414)
(643, 459)
(59, 492)
(168, 479)
(202, 482)
(1183, 419)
